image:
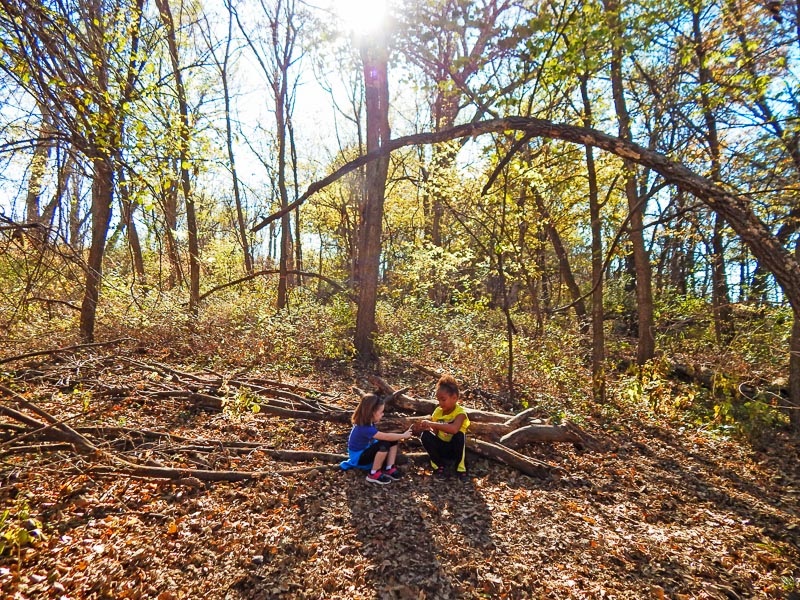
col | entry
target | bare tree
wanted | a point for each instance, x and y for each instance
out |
(276, 55)
(636, 203)
(183, 155)
(86, 46)
(224, 66)
(375, 58)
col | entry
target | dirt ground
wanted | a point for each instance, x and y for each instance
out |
(657, 513)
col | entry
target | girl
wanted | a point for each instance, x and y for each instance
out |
(444, 435)
(368, 446)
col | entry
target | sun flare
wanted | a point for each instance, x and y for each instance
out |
(362, 16)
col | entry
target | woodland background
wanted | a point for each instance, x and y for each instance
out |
(588, 210)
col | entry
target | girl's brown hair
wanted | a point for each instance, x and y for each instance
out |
(448, 384)
(366, 409)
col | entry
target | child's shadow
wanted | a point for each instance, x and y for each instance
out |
(411, 533)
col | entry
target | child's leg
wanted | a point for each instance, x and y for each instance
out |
(459, 447)
(392, 456)
(377, 462)
(454, 451)
(377, 453)
(433, 446)
(368, 457)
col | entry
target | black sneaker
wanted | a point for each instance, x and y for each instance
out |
(441, 473)
(379, 478)
(462, 476)
(394, 473)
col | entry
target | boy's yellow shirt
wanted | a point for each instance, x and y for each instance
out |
(439, 417)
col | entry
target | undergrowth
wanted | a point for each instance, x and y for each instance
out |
(239, 328)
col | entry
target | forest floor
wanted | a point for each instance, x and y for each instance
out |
(658, 512)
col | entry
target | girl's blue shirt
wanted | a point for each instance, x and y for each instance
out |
(361, 437)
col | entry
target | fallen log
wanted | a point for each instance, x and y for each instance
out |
(491, 426)
(528, 434)
(520, 462)
(423, 406)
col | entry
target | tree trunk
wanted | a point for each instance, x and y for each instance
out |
(102, 193)
(279, 81)
(170, 207)
(636, 205)
(298, 246)
(720, 299)
(128, 209)
(375, 64)
(38, 167)
(678, 249)
(286, 233)
(183, 107)
(65, 173)
(723, 323)
(794, 363)
(237, 198)
(74, 220)
(596, 224)
(563, 262)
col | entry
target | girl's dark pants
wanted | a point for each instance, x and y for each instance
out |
(445, 453)
(368, 455)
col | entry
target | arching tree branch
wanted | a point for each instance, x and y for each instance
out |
(736, 209)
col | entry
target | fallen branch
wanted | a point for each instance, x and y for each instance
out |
(65, 349)
(36, 449)
(68, 433)
(218, 382)
(520, 462)
(422, 406)
(339, 287)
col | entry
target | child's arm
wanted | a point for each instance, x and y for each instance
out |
(453, 427)
(393, 437)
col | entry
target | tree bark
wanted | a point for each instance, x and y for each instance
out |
(169, 198)
(596, 225)
(38, 167)
(128, 210)
(183, 157)
(375, 64)
(644, 294)
(794, 364)
(282, 49)
(102, 194)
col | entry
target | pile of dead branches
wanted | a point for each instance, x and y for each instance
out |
(125, 375)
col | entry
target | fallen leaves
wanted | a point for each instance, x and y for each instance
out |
(669, 516)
